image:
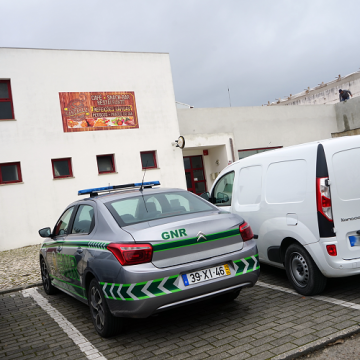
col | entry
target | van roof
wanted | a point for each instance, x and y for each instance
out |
(354, 139)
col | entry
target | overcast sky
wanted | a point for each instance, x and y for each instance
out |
(261, 50)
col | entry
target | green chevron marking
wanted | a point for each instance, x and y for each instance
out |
(124, 293)
(137, 291)
(154, 288)
(168, 245)
(169, 284)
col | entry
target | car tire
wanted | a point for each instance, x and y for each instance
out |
(228, 297)
(104, 322)
(302, 272)
(45, 277)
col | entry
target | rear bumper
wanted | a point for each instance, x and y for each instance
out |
(332, 266)
(152, 290)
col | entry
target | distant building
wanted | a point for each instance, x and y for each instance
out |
(324, 93)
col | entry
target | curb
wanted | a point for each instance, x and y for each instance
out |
(318, 344)
(6, 291)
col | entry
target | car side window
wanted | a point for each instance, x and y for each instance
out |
(223, 190)
(62, 226)
(84, 220)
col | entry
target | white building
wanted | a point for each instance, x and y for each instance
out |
(42, 167)
(324, 93)
(72, 120)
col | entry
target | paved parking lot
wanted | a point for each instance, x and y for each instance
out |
(267, 321)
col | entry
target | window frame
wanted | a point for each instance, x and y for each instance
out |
(9, 99)
(62, 176)
(153, 152)
(213, 198)
(112, 163)
(263, 148)
(17, 163)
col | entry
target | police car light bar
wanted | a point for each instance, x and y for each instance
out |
(94, 191)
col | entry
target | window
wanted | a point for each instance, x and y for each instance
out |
(62, 226)
(84, 220)
(105, 164)
(10, 173)
(61, 168)
(6, 104)
(223, 190)
(250, 185)
(148, 160)
(142, 208)
(246, 153)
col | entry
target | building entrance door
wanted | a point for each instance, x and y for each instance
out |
(194, 172)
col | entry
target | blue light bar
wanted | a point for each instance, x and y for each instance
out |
(116, 187)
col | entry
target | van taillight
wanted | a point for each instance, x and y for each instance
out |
(131, 254)
(246, 232)
(323, 198)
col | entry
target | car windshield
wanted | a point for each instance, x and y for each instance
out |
(156, 206)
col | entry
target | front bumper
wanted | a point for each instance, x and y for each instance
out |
(143, 290)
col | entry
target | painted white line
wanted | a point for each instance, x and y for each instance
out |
(84, 344)
(317, 297)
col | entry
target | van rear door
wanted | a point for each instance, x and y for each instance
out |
(343, 159)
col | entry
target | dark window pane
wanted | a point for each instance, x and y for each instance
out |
(83, 220)
(61, 168)
(105, 164)
(196, 162)
(9, 173)
(187, 164)
(188, 180)
(199, 187)
(198, 175)
(147, 160)
(4, 93)
(5, 110)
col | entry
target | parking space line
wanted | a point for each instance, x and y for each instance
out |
(317, 297)
(84, 344)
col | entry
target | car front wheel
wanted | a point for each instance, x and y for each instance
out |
(104, 322)
(45, 277)
(302, 271)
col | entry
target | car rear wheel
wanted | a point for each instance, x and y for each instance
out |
(48, 288)
(302, 271)
(104, 322)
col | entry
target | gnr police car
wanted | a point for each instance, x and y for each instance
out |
(135, 250)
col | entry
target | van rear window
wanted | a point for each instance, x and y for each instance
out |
(347, 173)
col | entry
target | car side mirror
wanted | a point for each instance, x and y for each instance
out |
(45, 232)
(221, 198)
(205, 196)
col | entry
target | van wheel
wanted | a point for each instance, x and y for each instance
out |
(302, 271)
(104, 322)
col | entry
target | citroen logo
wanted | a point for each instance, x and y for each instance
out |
(200, 236)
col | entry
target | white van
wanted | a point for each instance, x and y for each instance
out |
(303, 205)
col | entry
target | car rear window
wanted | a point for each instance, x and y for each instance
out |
(149, 207)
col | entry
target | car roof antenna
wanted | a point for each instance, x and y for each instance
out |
(142, 183)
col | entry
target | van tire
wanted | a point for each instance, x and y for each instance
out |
(302, 272)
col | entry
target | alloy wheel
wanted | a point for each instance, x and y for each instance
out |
(97, 309)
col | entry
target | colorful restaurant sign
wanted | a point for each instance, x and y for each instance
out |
(89, 111)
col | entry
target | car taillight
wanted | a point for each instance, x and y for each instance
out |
(131, 254)
(323, 198)
(331, 249)
(246, 232)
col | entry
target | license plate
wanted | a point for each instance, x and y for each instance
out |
(206, 274)
(354, 240)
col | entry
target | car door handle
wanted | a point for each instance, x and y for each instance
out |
(59, 248)
(79, 250)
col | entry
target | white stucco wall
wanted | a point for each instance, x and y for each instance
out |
(36, 136)
(259, 127)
